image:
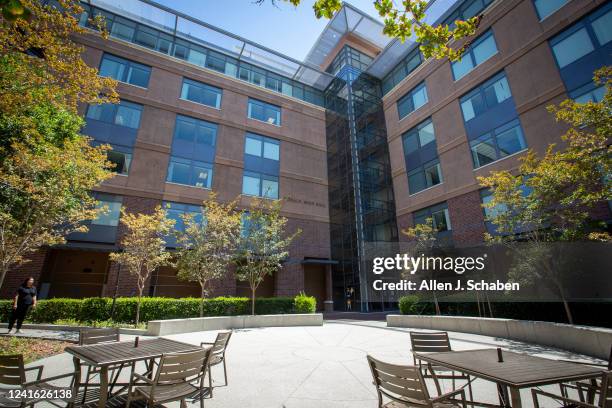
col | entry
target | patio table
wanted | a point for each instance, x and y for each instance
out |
(515, 372)
(106, 354)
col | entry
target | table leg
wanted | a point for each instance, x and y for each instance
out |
(103, 386)
(502, 392)
(515, 396)
(77, 379)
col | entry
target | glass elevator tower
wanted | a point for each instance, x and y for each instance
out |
(362, 208)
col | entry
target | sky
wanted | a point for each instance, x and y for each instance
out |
(289, 30)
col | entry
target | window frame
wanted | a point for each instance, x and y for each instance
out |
(409, 96)
(115, 110)
(493, 135)
(265, 106)
(261, 177)
(192, 164)
(128, 64)
(469, 52)
(480, 90)
(202, 86)
(542, 18)
(264, 140)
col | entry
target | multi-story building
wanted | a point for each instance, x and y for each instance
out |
(361, 140)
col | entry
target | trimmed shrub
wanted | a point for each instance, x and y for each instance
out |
(305, 304)
(408, 304)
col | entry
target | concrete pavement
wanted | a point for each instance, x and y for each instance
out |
(324, 366)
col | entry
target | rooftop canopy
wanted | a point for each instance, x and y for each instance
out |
(348, 20)
(165, 19)
(395, 50)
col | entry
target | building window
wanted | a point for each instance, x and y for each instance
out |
(412, 101)
(485, 97)
(261, 185)
(264, 112)
(190, 172)
(546, 7)
(125, 70)
(501, 142)
(175, 211)
(201, 93)
(122, 114)
(573, 47)
(481, 50)
(121, 158)
(111, 206)
(194, 132)
(466, 9)
(588, 93)
(421, 156)
(261, 146)
(402, 70)
(438, 214)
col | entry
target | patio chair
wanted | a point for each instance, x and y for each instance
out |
(93, 336)
(432, 343)
(586, 390)
(13, 375)
(405, 386)
(604, 392)
(218, 355)
(179, 376)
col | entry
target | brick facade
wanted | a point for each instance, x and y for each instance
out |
(467, 219)
(15, 277)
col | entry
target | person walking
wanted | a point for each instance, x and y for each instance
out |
(25, 298)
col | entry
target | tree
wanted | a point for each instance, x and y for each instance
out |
(425, 239)
(41, 62)
(263, 243)
(408, 19)
(551, 197)
(143, 247)
(45, 195)
(206, 246)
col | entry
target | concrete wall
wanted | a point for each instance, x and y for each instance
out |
(591, 341)
(175, 326)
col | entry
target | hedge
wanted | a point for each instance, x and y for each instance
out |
(543, 311)
(156, 308)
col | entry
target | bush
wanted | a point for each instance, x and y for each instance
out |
(408, 304)
(157, 308)
(304, 304)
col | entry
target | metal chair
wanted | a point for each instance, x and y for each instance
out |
(13, 375)
(586, 390)
(89, 337)
(433, 343)
(604, 392)
(218, 354)
(405, 386)
(179, 376)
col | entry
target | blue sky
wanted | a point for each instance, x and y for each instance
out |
(284, 28)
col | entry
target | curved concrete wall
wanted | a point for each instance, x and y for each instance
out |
(175, 326)
(591, 341)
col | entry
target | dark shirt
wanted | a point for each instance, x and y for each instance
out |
(25, 295)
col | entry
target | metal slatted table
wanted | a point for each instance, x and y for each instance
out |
(515, 372)
(106, 354)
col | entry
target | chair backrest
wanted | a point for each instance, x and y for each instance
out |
(605, 397)
(182, 367)
(12, 369)
(399, 382)
(95, 336)
(221, 342)
(429, 342)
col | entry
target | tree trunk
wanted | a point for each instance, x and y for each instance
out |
(138, 305)
(2, 275)
(436, 304)
(566, 305)
(114, 305)
(202, 300)
(478, 304)
(489, 303)
(253, 301)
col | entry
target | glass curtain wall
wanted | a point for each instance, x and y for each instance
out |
(362, 208)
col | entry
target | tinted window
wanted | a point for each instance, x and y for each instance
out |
(413, 100)
(125, 70)
(264, 112)
(123, 114)
(546, 7)
(201, 93)
(481, 50)
(572, 48)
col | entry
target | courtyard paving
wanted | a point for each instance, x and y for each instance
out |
(320, 367)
